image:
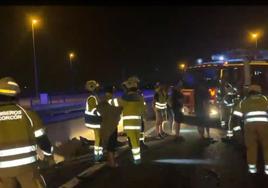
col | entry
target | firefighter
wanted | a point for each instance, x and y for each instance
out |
(21, 131)
(160, 105)
(133, 114)
(93, 117)
(229, 101)
(253, 110)
(142, 134)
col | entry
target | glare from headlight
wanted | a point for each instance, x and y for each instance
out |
(213, 112)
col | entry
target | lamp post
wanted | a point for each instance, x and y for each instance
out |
(36, 81)
(71, 56)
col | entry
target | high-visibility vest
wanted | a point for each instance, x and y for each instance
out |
(161, 101)
(92, 116)
(19, 130)
(253, 109)
(133, 110)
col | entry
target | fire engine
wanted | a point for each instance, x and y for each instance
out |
(236, 73)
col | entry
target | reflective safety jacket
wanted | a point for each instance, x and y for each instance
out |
(92, 116)
(253, 109)
(134, 108)
(20, 132)
(160, 100)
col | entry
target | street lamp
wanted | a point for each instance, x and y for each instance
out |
(71, 56)
(34, 22)
(255, 36)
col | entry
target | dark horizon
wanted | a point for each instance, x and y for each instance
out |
(113, 42)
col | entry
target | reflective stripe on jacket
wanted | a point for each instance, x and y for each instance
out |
(253, 109)
(92, 116)
(19, 130)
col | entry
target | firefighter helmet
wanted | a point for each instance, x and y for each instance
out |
(91, 85)
(255, 88)
(131, 82)
(9, 87)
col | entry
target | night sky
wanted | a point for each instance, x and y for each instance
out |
(111, 43)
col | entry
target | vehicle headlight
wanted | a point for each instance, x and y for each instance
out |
(213, 112)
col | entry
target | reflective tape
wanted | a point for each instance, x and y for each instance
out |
(160, 107)
(17, 162)
(39, 132)
(252, 168)
(266, 169)
(256, 119)
(136, 150)
(131, 117)
(161, 104)
(17, 151)
(130, 127)
(237, 113)
(256, 113)
(12, 83)
(116, 102)
(110, 101)
(137, 157)
(237, 128)
(49, 154)
(93, 126)
(7, 91)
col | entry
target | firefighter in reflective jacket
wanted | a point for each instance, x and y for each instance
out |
(93, 117)
(160, 103)
(133, 113)
(20, 132)
(229, 101)
(253, 110)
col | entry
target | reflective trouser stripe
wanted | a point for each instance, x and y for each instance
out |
(230, 133)
(252, 168)
(266, 169)
(97, 126)
(17, 151)
(132, 127)
(98, 150)
(131, 117)
(17, 162)
(136, 153)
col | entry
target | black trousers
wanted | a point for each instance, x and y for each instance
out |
(112, 143)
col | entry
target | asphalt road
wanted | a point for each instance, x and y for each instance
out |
(189, 164)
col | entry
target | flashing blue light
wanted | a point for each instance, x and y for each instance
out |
(199, 61)
(221, 58)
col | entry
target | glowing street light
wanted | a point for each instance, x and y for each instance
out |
(34, 22)
(181, 66)
(255, 36)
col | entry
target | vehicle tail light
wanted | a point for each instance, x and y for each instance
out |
(212, 94)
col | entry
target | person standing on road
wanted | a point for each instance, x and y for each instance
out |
(93, 118)
(21, 131)
(177, 105)
(110, 119)
(253, 109)
(160, 105)
(133, 113)
(201, 109)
